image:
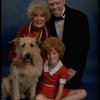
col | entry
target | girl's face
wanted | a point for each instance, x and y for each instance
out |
(39, 20)
(53, 57)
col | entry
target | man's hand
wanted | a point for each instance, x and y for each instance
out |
(71, 73)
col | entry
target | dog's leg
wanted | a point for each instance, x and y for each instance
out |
(33, 89)
(5, 87)
(16, 95)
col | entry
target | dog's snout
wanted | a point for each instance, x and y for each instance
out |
(28, 56)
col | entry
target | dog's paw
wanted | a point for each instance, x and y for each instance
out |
(33, 98)
(23, 96)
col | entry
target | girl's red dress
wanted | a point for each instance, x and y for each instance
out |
(50, 80)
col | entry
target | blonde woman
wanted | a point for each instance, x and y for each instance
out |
(39, 14)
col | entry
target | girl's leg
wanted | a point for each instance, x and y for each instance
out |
(42, 97)
(78, 94)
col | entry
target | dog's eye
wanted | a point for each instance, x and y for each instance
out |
(31, 45)
(23, 45)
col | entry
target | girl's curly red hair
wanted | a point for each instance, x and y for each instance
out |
(53, 42)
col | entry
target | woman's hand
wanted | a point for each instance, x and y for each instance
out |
(17, 61)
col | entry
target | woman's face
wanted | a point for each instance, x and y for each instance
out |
(53, 56)
(39, 20)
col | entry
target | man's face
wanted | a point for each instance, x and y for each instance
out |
(56, 7)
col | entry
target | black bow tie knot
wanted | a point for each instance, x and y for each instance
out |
(58, 18)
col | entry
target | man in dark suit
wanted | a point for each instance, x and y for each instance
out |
(71, 26)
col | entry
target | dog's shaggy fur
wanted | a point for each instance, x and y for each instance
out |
(23, 77)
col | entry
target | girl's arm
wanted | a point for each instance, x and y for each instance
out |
(59, 93)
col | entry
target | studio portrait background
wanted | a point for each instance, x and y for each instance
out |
(13, 16)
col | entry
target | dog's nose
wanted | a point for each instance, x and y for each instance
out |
(28, 56)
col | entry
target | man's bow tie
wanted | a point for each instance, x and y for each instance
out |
(59, 18)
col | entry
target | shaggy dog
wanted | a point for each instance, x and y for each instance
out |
(23, 77)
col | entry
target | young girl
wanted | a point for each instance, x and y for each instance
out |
(54, 76)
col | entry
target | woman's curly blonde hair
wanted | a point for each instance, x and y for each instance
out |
(56, 43)
(39, 6)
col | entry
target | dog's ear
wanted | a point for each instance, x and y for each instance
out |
(12, 41)
(16, 41)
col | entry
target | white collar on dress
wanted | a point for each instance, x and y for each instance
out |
(54, 70)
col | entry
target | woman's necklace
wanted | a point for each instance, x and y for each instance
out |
(37, 33)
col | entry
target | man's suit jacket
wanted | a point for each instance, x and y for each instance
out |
(77, 42)
(75, 38)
